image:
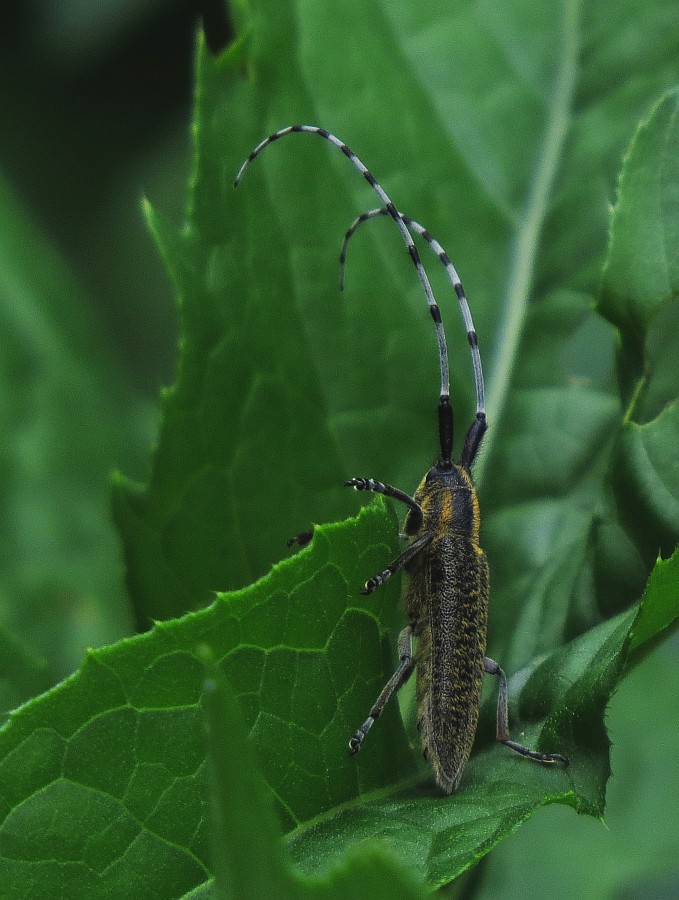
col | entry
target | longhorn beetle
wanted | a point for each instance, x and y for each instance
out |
(446, 600)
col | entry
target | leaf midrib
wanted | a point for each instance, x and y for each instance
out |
(526, 247)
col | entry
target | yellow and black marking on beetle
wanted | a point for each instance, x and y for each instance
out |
(446, 600)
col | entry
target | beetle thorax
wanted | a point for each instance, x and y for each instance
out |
(449, 503)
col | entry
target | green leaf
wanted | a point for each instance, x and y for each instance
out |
(247, 848)
(253, 864)
(439, 838)
(61, 397)
(104, 778)
(633, 854)
(284, 389)
(639, 295)
(655, 618)
(268, 417)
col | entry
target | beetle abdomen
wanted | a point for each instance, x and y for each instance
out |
(452, 645)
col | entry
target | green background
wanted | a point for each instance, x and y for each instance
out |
(508, 148)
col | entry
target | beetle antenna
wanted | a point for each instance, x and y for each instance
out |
(454, 279)
(445, 411)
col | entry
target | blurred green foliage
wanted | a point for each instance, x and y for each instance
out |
(503, 131)
(92, 119)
